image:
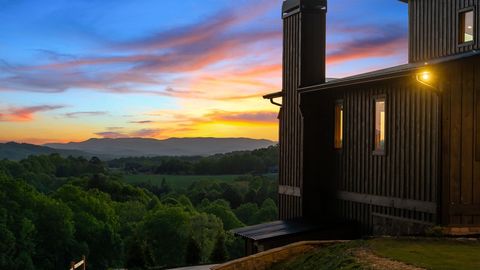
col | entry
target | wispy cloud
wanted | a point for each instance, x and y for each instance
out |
(142, 133)
(80, 114)
(262, 117)
(25, 114)
(144, 65)
(142, 122)
(368, 42)
(111, 135)
(147, 132)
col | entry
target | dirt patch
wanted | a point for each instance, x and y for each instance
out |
(367, 257)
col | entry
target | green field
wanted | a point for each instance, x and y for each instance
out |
(179, 181)
(434, 254)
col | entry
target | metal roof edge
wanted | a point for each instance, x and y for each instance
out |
(386, 74)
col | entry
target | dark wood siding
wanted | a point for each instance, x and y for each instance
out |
(290, 205)
(461, 133)
(400, 185)
(434, 28)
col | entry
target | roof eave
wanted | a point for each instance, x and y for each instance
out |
(386, 74)
(273, 95)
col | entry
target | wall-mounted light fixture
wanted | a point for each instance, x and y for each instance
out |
(427, 78)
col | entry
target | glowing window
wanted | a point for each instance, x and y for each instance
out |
(338, 138)
(380, 135)
(467, 27)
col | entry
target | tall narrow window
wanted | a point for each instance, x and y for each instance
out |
(467, 27)
(338, 139)
(380, 135)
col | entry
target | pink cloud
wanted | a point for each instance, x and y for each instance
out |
(25, 114)
(142, 122)
(374, 42)
(142, 133)
(147, 132)
(248, 117)
(111, 135)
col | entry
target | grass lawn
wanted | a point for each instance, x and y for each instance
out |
(180, 181)
(333, 257)
(435, 254)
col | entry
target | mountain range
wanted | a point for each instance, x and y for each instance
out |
(134, 147)
(18, 151)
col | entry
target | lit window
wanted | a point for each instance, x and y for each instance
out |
(380, 125)
(338, 140)
(467, 27)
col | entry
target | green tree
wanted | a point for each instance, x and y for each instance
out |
(222, 210)
(165, 233)
(268, 212)
(219, 253)
(7, 247)
(205, 228)
(193, 255)
(233, 196)
(246, 213)
(96, 225)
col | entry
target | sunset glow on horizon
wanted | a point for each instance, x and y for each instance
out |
(74, 70)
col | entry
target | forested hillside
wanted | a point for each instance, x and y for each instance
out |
(19, 151)
(54, 210)
(258, 161)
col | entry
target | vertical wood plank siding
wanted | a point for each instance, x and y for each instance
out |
(434, 28)
(290, 206)
(461, 160)
(408, 170)
(375, 185)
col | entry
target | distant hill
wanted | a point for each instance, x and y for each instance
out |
(135, 147)
(18, 151)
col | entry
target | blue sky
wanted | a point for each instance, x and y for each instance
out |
(71, 70)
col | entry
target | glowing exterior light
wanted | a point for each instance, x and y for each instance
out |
(425, 76)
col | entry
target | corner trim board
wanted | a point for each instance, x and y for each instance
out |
(289, 190)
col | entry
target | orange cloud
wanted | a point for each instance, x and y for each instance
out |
(25, 114)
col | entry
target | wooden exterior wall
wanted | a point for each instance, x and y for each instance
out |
(461, 143)
(399, 188)
(303, 65)
(434, 28)
(290, 175)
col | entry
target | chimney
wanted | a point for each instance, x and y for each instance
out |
(304, 41)
(303, 65)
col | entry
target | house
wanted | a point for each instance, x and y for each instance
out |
(393, 151)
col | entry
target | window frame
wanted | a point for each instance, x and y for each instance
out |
(461, 27)
(339, 127)
(375, 151)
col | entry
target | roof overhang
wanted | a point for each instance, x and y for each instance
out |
(386, 74)
(273, 96)
(276, 229)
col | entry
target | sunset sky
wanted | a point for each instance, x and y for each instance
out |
(76, 69)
